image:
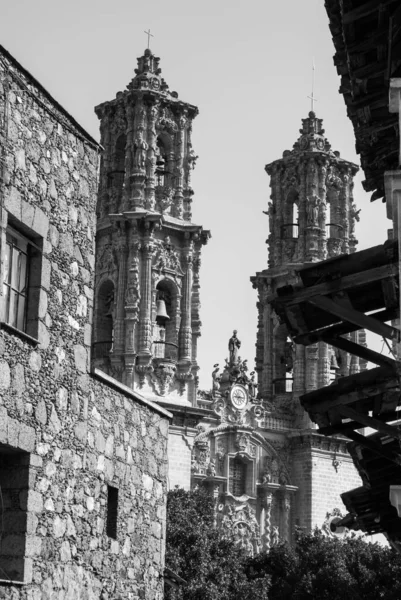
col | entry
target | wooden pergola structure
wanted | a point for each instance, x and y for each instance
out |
(333, 299)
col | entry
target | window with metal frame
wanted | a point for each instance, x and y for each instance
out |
(237, 477)
(15, 279)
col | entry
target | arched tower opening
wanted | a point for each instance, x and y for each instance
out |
(164, 328)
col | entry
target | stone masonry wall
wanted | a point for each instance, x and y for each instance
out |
(322, 470)
(69, 433)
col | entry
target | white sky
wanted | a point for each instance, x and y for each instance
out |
(247, 66)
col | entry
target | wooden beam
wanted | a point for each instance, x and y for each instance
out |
(350, 315)
(331, 287)
(329, 401)
(377, 448)
(305, 339)
(363, 11)
(365, 353)
(368, 421)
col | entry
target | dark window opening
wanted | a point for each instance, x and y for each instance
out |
(112, 512)
(14, 485)
(237, 477)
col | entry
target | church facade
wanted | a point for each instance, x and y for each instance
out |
(268, 468)
(248, 441)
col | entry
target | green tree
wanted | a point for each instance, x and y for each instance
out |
(213, 566)
(325, 568)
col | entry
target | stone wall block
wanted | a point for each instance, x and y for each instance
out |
(40, 223)
(41, 412)
(12, 432)
(5, 376)
(13, 202)
(26, 438)
(34, 502)
(3, 424)
(81, 358)
(35, 361)
(18, 378)
(43, 336)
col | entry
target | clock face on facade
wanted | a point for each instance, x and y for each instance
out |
(238, 396)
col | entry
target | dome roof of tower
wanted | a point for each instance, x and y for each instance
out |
(148, 75)
(312, 136)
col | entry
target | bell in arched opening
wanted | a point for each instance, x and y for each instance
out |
(161, 312)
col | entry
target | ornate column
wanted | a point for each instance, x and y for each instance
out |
(132, 300)
(323, 365)
(313, 209)
(150, 199)
(145, 322)
(299, 370)
(120, 253)
(178, 208)
(286, 511)
(138, 151)
(267, 507)
(185, 337)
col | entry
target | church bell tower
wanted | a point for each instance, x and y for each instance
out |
(311, 218)
(148, 250)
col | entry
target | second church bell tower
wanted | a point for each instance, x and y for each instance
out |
(148, 250)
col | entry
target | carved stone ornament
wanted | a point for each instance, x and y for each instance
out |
(242, 442)
(166, 257)
(106, 262)
(332, 517)
(142, 371)
(238, 521)
(164, 197)
(166, 123)
(183, 377)
(162, 377)
(200, 455)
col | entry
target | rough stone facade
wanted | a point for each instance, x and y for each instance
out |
(83, 466)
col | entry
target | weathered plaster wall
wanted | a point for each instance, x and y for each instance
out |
(79, 434)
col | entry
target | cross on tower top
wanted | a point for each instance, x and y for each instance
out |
(312, 97)
(149, 36)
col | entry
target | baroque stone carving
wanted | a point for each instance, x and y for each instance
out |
(238, 522)
(166, 256)
(162, 376)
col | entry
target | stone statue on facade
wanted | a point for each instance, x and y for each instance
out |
(313, 210)
(216, 378)
(234, 345)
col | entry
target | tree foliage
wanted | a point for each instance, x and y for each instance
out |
(316, 567)
(330, 568)
(213, 566)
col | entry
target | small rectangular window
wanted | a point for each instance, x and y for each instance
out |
(112, 512)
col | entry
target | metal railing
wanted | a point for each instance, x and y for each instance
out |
(336, 231)
(166, 350)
